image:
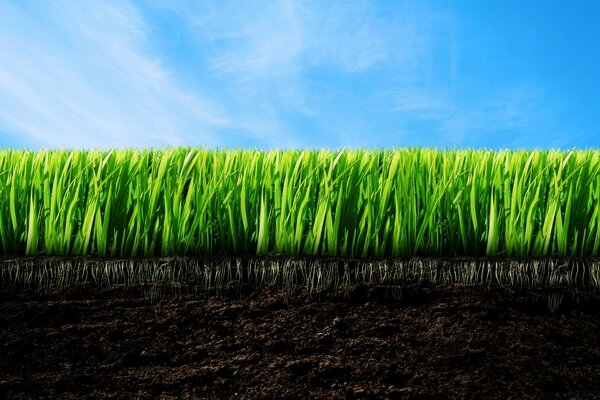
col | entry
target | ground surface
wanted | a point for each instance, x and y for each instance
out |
(432, 345)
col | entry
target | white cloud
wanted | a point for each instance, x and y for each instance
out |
(345, 35)
(266, 40)
(75, 76)
(264, 55)
(502, 115)
(267, 73)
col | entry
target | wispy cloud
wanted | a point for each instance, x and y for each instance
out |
(344, 35)
(276, 70)
(282, 73)
(269, 40)
(503, 117)
(75, 76)
(267, 57)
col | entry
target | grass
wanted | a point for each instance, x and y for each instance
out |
(353, 203)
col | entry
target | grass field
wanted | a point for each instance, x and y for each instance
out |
(354, 203)
(390, 215)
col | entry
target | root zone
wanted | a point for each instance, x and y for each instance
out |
(158, 277)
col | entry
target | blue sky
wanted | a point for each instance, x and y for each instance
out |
(300, 74)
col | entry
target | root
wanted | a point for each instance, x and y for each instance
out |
(181, 275)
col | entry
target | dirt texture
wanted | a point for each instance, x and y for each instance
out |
(260, 345)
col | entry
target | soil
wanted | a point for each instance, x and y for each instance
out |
(100, 343)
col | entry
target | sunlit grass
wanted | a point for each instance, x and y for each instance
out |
(405, 202)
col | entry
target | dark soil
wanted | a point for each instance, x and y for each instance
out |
(432, 345)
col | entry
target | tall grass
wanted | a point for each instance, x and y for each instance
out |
(399, 203)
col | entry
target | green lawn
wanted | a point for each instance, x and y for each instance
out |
(356, 203)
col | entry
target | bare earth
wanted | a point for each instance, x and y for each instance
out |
(432, 345)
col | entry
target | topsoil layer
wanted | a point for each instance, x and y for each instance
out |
(432, 345)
